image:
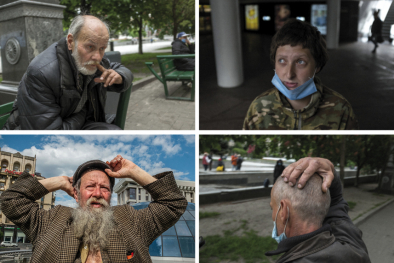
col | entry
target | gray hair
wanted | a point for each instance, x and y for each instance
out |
(78, 22)
(310, 204)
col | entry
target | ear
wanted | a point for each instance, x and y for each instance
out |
(70, 42)
(75, 195)
(284, 212)
(318, 70)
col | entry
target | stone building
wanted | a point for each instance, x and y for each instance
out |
(12, 166)
(131, 193)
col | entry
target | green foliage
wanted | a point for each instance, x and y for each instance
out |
(239, 151)
(208, 214)
(1, 79)
(351, 204)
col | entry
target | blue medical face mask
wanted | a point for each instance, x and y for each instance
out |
(298, 93)
(183, 40)
(275, 231)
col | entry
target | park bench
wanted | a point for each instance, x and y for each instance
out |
(5, 111)
(170, 73)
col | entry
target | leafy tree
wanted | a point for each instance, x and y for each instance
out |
(174, 16)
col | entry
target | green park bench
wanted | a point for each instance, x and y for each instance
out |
(121, 110)
(5, 111)
(170, 73)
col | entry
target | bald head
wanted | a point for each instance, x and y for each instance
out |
(87, 26)
(310, 203)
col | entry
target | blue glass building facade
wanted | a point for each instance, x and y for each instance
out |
(177, 241)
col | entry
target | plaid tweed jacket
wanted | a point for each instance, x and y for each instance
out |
(51, 231)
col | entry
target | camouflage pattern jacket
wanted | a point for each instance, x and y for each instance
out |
(328, 110)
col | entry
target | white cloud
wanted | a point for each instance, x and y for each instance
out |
(190, 139)
(168, 146)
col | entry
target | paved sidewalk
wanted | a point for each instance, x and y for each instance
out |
(257, 213)
(378, 235)
(150, 110)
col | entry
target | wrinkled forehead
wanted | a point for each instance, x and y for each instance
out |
(98, 176)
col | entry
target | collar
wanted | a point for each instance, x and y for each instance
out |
(310, 109)
(291, 242)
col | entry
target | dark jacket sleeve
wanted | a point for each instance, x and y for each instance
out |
(38, 107)
(341, 224)
(166, 209)
(126, 75)
(18, 204)
(178, 48)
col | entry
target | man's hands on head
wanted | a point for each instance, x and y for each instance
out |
(308, 167)
(59, 183)
(123, 168)
(109, 76)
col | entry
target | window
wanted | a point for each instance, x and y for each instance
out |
(28, 167)
(2, 185)
(16, 166)
(147, 198)
(132, 193)
(4, 165)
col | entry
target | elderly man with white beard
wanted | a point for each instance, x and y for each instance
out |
(94, 231)
(64, 87)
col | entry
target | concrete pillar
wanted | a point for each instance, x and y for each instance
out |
(226, 26)
(333, 20)
(26, 29)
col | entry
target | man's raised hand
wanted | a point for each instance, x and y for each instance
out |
(109, 76)
(121, 168)
(308, 167)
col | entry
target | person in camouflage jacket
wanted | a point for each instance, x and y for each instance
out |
(299, 100)
(328, 110)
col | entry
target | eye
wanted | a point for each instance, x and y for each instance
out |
(281, 60)
(301, 62)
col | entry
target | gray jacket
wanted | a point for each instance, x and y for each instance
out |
(339, 240)
(48, 96)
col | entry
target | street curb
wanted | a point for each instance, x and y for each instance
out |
(142, 82)
(364, 217)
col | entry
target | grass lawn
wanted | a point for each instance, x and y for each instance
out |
(250, 247)
(208, 214)
(163, 48)
(136, 63)
(1, 79)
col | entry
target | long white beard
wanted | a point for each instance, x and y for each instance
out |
(93, 225)
(78, 62)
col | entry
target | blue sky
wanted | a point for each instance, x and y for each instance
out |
(61, 154)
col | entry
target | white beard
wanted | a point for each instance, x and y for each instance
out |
(78, 62)
(93, 225)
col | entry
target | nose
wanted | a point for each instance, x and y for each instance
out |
(290, 71)
(97, 192)
(96, 56)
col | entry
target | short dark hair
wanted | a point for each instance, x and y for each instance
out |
(296, 32)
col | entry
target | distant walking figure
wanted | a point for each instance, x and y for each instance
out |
(279, 167)
(376, 30)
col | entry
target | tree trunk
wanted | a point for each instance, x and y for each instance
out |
(343, 157)
(140, 37)
(175, 28)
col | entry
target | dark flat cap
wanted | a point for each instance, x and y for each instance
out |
(93, 164)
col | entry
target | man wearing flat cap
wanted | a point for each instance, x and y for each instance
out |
(94, 231)
(182, 46)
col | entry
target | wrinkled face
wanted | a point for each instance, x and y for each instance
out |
(90, 46)
(95, 187)
(294, 65)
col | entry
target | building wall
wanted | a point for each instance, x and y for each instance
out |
(18, 163)
(129, 192)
